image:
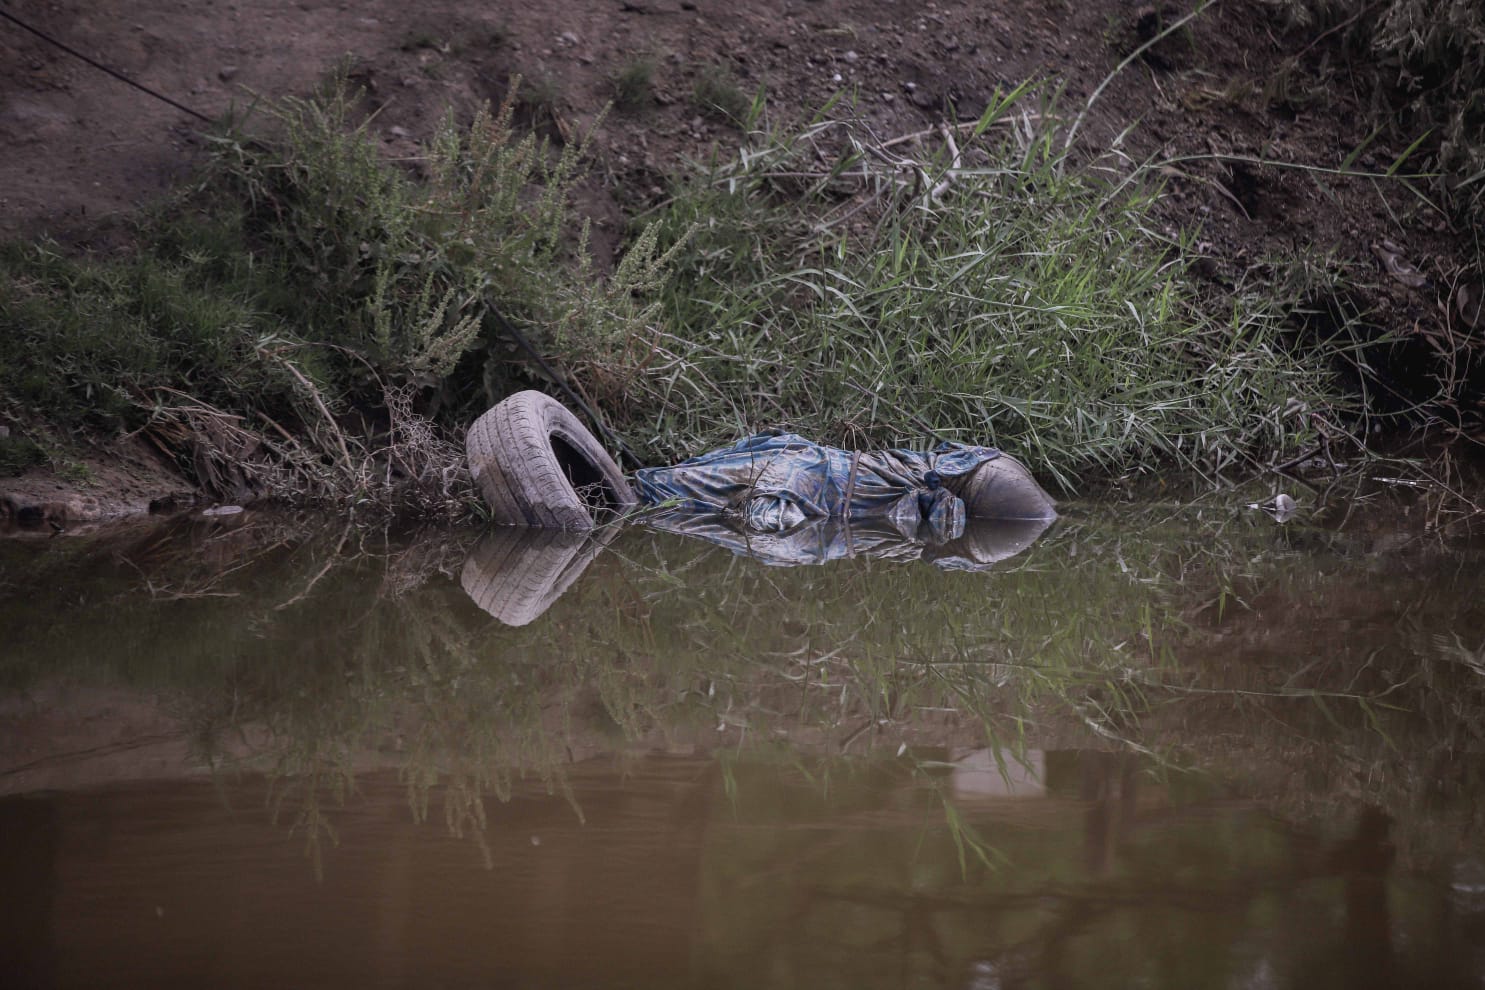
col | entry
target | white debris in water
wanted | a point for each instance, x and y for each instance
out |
(1281, 507)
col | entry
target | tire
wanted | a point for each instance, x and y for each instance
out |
(529, 456)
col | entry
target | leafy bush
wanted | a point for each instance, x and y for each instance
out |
(313, 300)
(890, 297)
(329, 322)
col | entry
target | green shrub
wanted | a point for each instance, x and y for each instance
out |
(312, 293)
(886, 297)
(634, 84)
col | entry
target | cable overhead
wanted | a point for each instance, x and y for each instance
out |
(500, 320)
(103, 68)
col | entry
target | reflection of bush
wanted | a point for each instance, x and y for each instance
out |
(1196, 631)
(1112, 878)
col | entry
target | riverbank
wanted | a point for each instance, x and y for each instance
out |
(1203, 256)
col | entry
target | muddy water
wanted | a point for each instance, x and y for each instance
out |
(1155, 745)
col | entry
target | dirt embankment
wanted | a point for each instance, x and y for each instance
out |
(84, 152)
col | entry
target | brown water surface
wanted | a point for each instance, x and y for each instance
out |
(1167, 746)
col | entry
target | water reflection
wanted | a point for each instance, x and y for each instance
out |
(983, 541)
(919, 718)
(515, 573)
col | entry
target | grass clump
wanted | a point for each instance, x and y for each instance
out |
(311, 315)
(538, 98)
(1424, 63)
(718, 95)
(897, 293)
(634, 84)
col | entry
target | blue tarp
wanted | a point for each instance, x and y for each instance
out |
(775, 482)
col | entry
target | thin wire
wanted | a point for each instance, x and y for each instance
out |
(561, 383)
(103, 68)
(500, 319)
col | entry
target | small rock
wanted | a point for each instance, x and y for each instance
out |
(568, 38)
(1393, 262)
(400, 132)
(1469, 302)
(227, 73)
(850, 56)
(164, 503)
(835, 78)
(222, 510)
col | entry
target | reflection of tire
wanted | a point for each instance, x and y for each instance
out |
(536, 465)
(516, 574)
(987, 541)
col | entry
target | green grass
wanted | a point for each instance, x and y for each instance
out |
(718, 95)
(325, 309)
(634, 84)
(90, 341)
(872, 296)
(310, 296)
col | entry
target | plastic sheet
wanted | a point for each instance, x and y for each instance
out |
(776, 482)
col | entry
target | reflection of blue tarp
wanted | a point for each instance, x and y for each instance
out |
(773, 482)
(984, 542)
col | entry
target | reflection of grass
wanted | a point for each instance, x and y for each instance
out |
(1110, 633)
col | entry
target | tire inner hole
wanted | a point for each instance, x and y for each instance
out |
(591, 487)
